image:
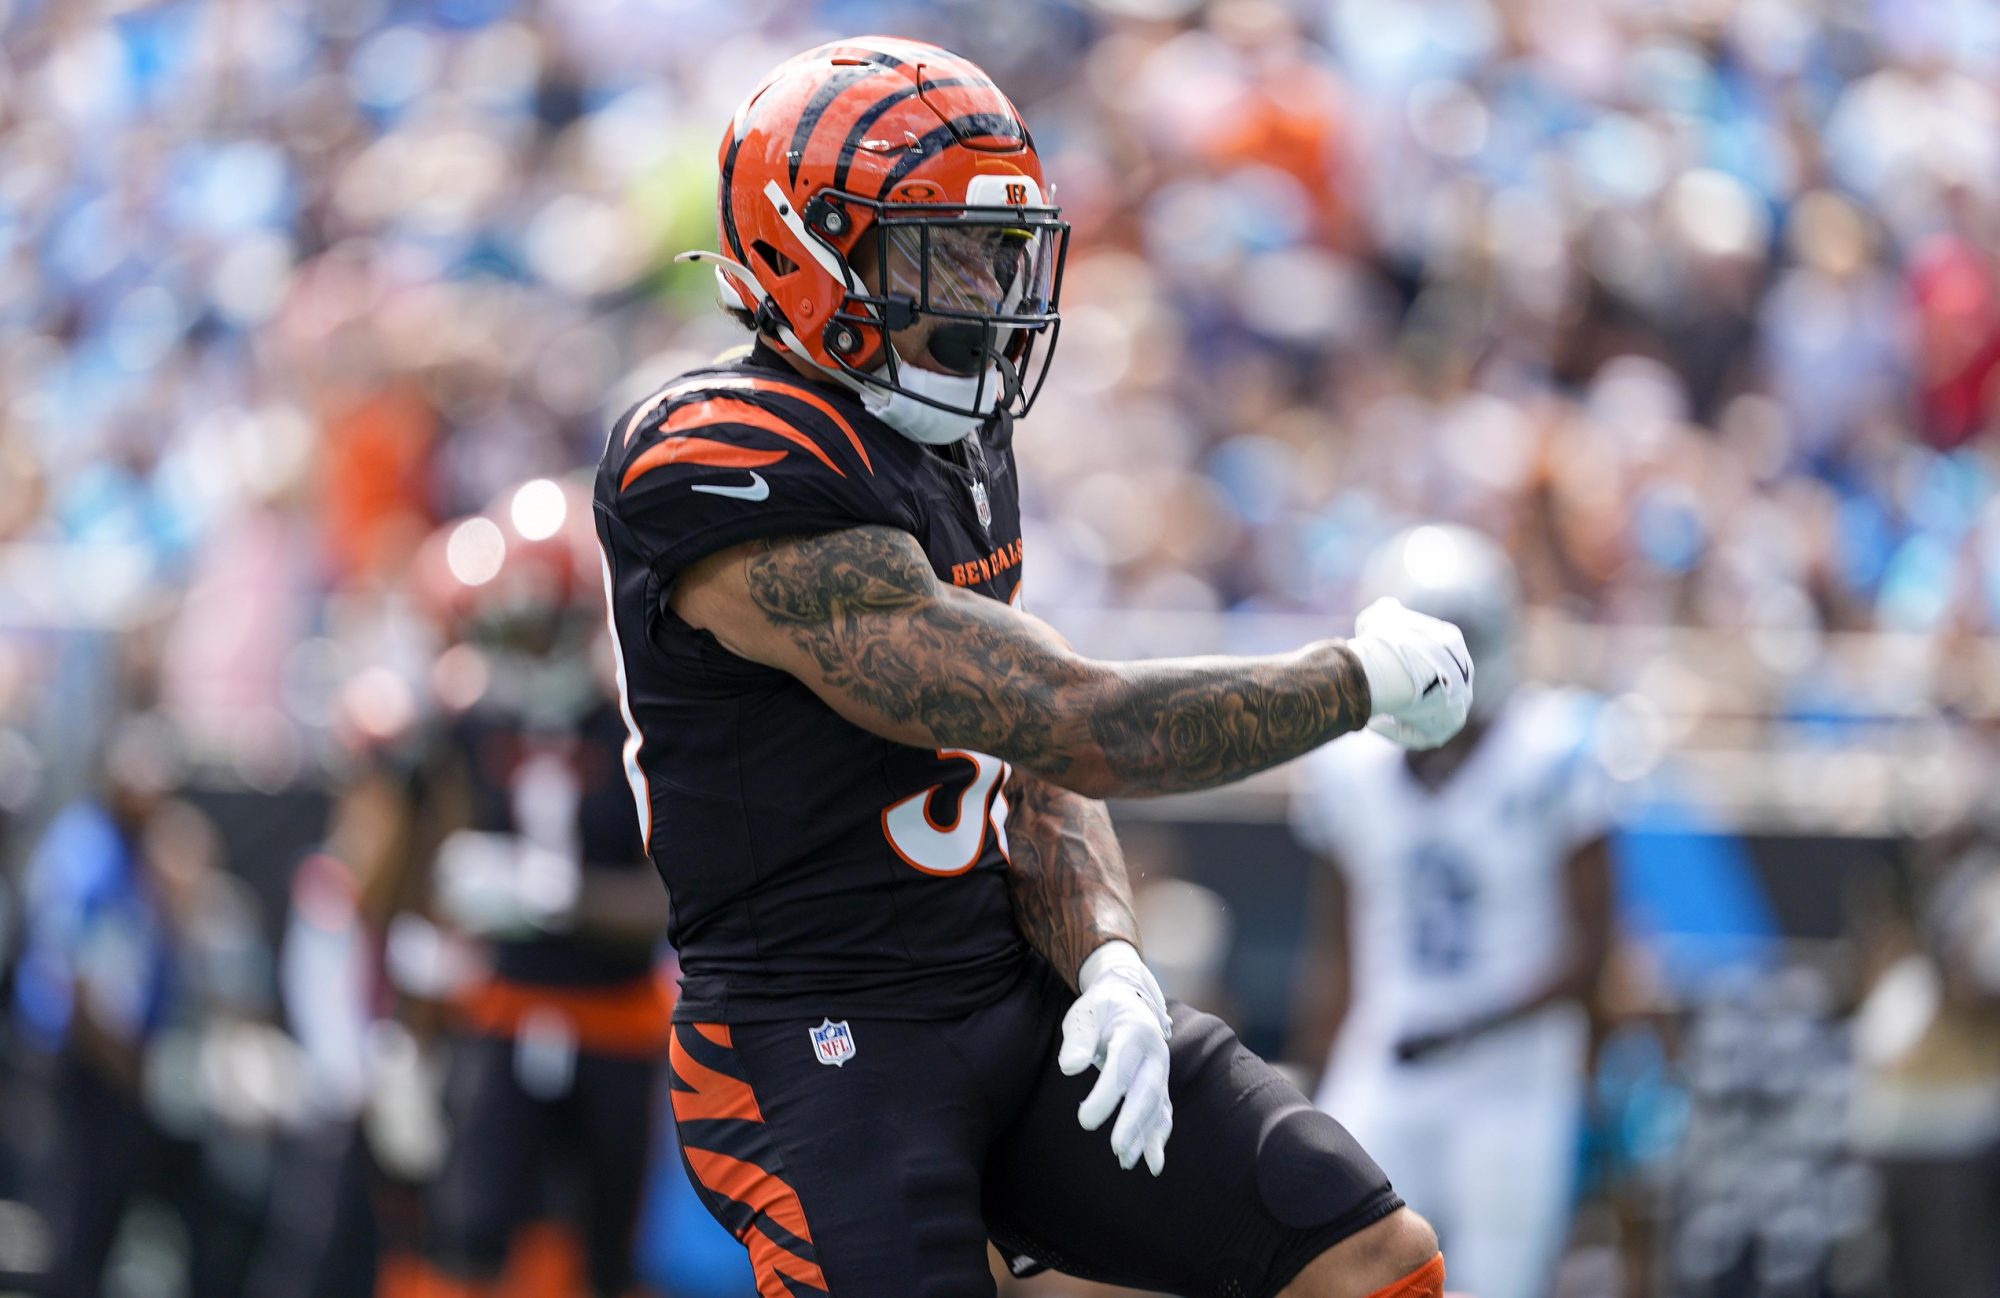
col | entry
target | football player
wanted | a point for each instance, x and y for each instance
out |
(871, 781)
(557, 1043)
(1464, 921)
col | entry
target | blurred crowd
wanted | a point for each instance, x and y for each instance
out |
(1695, 306)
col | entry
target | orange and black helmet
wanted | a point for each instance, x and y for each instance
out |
(518, 571)
(906, 160)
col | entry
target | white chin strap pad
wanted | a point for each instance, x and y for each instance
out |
(924, 423)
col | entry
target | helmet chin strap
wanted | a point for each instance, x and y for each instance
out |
(922, 422)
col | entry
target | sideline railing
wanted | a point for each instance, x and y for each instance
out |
(1777, 729)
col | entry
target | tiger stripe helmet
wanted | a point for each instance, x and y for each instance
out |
(913, 147)
(529, 558)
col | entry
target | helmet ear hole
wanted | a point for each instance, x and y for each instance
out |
(779, 264)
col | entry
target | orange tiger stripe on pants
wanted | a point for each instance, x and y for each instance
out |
(730, 1156)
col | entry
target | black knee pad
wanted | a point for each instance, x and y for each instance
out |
(1310, 1170)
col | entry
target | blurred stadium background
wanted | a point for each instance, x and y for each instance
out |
(1694, 305)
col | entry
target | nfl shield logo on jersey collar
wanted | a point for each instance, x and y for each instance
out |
(833, 1043)
(982, 505)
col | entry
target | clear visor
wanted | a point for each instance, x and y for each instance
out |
(974, 268)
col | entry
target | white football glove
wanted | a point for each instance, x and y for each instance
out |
(1419, 674)
(1120, 1024)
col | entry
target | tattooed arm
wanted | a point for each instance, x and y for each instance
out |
(1066, 873)
(862, 620)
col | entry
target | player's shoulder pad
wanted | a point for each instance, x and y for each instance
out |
(1360, 755)
(1559, 735)
(1333, 779)
(1558, 721)
(734, 454)
(730, 419)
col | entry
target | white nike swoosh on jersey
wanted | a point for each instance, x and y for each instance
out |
(757, 490)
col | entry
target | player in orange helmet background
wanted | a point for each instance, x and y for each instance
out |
(557, 1039)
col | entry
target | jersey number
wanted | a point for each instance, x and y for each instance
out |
(1443, 898)
(957, 847)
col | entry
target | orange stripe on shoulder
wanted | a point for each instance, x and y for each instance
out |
(800, 392)
(639, 414)
(698, 450)
(730, 410)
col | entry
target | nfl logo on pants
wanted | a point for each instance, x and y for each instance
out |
(833, 1043)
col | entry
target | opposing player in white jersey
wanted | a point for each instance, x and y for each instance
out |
(1463, 920)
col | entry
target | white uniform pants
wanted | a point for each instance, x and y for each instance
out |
(1483, 1142)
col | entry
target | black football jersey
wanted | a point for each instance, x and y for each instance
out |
(814, 868)
(562, 787)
